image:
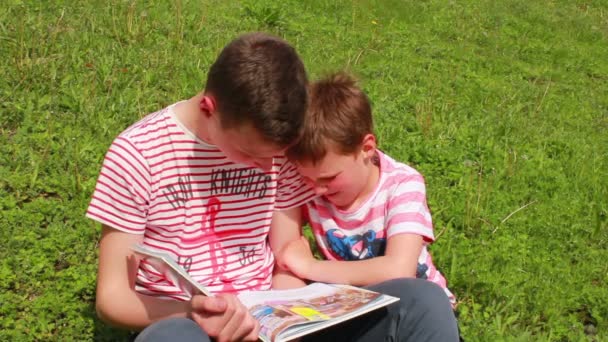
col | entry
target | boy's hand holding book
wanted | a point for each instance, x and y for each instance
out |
(224, 318)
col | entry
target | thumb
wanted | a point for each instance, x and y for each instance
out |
(209, 304)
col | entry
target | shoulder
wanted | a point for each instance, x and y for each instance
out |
(395, 173)
(154, 134)
(149, 126)
(284, 168)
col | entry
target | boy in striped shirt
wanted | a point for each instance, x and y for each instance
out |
(202, 180)
(371, 222)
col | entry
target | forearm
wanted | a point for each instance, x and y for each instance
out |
(360, 272)
(131, 310)
(286, 226)
(283, 279)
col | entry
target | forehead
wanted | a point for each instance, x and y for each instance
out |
(247, 139)
(330, 165)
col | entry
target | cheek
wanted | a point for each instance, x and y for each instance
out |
(340, 183)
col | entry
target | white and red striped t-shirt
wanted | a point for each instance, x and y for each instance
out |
(189, 200)
(397, 206)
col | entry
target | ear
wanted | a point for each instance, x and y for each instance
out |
(207, 104)
(368, 146)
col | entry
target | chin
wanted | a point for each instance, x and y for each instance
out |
(337, 201)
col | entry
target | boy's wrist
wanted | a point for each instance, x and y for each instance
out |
(311, 269)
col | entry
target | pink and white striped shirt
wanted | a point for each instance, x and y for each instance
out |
(190, 201)
(397, 206)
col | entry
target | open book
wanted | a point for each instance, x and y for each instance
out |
(283, 314)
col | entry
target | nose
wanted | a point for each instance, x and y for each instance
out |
(320, 190)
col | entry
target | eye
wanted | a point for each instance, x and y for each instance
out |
(325, 180)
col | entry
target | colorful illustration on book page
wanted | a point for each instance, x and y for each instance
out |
(309, 313)
(273, 320)
(342, 301)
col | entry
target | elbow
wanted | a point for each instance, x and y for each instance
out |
(107, 307)
(102, 314)
(103, 307)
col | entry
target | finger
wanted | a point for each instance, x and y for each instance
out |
(255, 333)
(241, 325)
(206, 304)
(246, 328)
(234, 316)
(215, 323)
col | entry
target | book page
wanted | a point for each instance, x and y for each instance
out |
(279, 309)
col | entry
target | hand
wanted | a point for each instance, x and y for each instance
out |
(224, 318)
(297, 257)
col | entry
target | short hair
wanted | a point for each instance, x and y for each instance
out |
(339, 116)
(259, 79)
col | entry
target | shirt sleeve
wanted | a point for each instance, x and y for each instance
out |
(122, 192)
(292, 191)
(407, 210)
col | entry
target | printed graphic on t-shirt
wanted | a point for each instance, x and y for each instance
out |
(421, 270)
(239, 181)
(177, 195)
(250, 183)
(358, 246)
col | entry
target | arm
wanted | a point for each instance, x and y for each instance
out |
(285, 227)
(399, 261)
(117, 302)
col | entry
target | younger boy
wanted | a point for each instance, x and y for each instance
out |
(371, 221)
(201, 180)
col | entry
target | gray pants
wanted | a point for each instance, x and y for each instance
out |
(424, 313)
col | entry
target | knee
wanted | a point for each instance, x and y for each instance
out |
(172, 329)
(421, 293)
(428, 291)
(424, 309)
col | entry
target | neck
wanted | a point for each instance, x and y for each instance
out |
(372, 180)
(191, 116)
(373, 177)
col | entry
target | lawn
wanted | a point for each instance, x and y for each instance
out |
(502, 105)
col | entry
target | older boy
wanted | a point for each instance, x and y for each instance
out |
(201, 180)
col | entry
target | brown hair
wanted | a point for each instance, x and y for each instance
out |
(339, 116)
(259, 79)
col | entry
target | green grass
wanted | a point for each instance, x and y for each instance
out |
(502, 105)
